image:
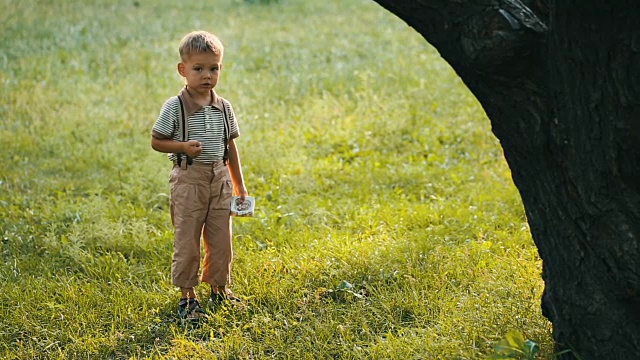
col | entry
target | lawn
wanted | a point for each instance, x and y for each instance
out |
(387, 225)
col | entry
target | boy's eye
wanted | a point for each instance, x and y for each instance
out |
(197, 68)
(214, 69)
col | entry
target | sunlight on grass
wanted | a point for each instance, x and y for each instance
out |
(387, 225)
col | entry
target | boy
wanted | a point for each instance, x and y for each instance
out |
(201, 183)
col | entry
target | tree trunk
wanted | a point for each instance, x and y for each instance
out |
(560, 82)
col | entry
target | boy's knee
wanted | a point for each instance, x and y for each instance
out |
(189, 260)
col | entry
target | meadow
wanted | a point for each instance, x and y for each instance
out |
(387, 224)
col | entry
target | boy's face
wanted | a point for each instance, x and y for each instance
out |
(201, 71)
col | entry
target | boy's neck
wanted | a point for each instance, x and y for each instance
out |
(192, 104)
(201, 99)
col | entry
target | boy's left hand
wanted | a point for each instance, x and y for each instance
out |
(241, 192)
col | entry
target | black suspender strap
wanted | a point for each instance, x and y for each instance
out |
(183, 128)
(183, 122)
(227, 130)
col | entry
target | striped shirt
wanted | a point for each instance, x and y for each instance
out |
(205, 125)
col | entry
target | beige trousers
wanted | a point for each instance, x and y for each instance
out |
(200, 207)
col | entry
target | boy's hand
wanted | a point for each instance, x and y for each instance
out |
(192, 148)
(241, 192)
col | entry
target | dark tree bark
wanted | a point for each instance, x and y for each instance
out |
(560, 82)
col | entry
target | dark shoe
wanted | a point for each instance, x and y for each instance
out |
(190, 309)
(227, 295)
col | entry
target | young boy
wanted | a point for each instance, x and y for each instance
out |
(201, 183)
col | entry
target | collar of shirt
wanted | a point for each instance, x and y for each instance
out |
(191, 106)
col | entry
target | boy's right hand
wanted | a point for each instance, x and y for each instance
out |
(192, 148)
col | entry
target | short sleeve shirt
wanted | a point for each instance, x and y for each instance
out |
(205, 125)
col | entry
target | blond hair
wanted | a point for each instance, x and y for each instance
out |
(197, 42)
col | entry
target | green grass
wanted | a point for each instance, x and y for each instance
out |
(372, 164)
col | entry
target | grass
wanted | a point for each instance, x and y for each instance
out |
(387, 224)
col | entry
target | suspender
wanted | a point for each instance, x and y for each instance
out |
(227, 131)
(183, 129)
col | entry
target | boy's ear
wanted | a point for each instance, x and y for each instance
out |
(181, 69)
